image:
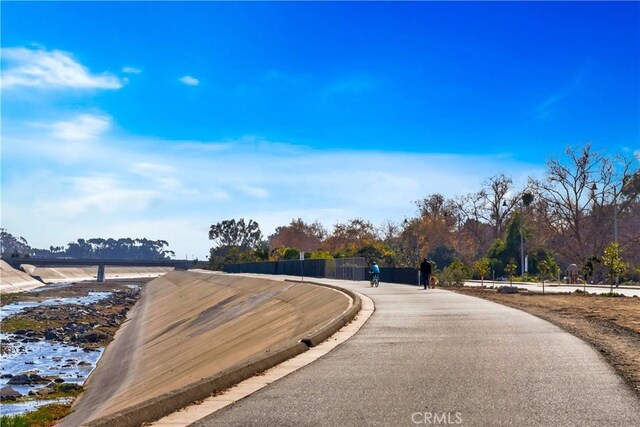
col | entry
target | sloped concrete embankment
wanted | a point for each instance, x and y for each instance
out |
(194, 334)
(90, 273)
(12, 280)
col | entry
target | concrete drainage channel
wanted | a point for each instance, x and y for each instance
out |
(168, 403)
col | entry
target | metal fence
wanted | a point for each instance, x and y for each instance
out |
(406, 276)
(339, 268)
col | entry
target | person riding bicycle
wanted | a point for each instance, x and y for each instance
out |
(375, 272)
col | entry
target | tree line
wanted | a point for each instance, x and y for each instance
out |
(95, 248)
(584, 211)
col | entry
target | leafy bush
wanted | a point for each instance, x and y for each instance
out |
(455, 274)
(320, 254)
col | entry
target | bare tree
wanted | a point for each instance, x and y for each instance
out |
(495, 202)
(615, 196)
(389, 232)
(578, 194)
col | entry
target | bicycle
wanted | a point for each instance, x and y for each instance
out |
(375, 280)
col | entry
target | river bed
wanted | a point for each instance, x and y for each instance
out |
(24, 353)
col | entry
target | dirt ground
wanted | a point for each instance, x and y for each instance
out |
(611, 325)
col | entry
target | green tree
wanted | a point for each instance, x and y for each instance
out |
(236, 241)
(319, 254)
(497, 255)
(291, 253)
(544, 269)
(10, 244)
(510, 269)
(379, 252)
(482, 268)
(456, 273)
(538, 255)
(614, 264)
(442, 255)
(236, 233)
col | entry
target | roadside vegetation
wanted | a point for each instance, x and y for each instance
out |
(44, 416)
(571, 216)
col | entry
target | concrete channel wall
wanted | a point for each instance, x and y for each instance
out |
(89, 273)
(194, 334)
(12, 280)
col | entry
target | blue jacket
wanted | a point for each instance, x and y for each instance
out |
(375, 268)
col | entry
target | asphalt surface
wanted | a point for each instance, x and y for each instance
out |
(433, 357)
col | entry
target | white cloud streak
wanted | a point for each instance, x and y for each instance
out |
(189, 80)
(44, 69)
(118, 182)
(131, 70)
(546, 109)
(81, 127)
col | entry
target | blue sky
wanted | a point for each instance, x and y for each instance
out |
(159, 119)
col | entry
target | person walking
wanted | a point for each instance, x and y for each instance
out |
(425, 272)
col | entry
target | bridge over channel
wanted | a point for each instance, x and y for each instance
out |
(179, 264)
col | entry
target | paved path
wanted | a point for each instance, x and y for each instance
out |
(435, 358)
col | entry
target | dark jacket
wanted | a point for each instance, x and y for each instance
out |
(425, 267)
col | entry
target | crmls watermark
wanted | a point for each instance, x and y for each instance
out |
(437, 418)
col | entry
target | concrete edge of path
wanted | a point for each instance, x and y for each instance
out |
(316, 337)
(192, 414)
(168, 403)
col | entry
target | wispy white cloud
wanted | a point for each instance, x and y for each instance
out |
(40, 68)
(81, 127)
(131, 70)
(547, 108)
(253, 191)
(129, 180)
(189, 80)
(163, 176)
(100, 194)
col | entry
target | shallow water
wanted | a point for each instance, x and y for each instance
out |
(45, 358)
(24, 407)
(11, 309)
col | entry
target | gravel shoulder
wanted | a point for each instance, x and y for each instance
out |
(610, 324)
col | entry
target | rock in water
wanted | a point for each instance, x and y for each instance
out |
(44, 391)
(21, 379)
(8, 393)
